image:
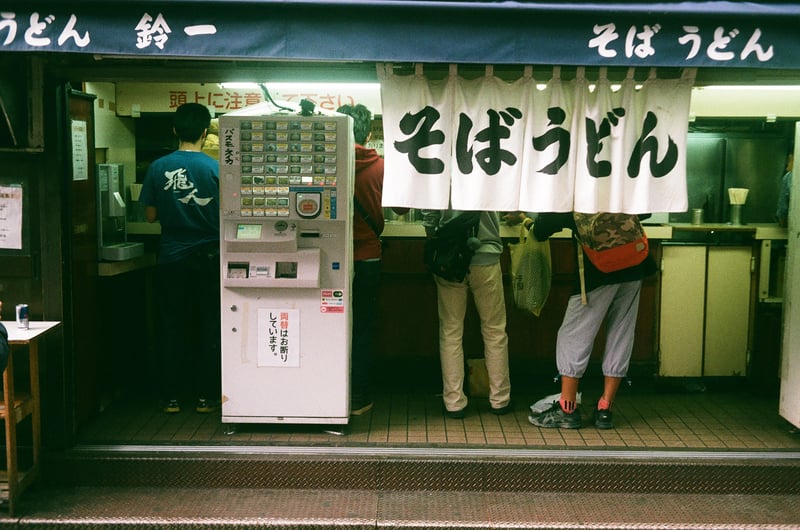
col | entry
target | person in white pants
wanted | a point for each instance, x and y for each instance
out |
(485, 281)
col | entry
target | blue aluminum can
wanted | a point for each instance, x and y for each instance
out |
(22, 316)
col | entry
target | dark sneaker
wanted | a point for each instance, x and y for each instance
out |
(500, 411)
(172, 406)
(204, 406)
(603, 419)
(555, 418)
(456, 414)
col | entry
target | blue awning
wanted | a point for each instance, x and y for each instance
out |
(673, 34)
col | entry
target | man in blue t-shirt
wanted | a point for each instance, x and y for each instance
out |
(181, 191)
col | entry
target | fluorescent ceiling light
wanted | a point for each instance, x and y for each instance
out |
(757, 88)
(365, 86)
(301, 86)
(540, 86)
(235, 86)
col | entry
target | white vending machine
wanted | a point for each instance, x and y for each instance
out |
(286, 264)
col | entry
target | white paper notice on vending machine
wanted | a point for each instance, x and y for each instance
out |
(279, 338)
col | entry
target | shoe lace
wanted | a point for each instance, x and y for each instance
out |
(552, 412)
(556, 408)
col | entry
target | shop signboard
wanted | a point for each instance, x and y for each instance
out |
(687, 34)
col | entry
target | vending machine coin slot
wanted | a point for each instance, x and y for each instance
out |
(308, 204)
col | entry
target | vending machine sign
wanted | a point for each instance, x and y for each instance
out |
(332, 301)
(279, 338)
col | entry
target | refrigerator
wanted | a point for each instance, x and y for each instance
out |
(717, 161)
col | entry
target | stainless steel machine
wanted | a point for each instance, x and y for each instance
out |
(113, 244)
(286, 267)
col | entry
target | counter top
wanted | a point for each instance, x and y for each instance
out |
(35, 328)
(760, 230)
(402, 229)
(112, 268)
(658, 231)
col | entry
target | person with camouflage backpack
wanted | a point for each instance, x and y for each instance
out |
(612, 297)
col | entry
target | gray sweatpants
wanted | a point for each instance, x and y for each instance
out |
(618, 305)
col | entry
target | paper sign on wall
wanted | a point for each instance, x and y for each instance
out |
(80, 150)
(11, 217)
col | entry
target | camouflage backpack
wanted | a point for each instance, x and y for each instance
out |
(611, 241)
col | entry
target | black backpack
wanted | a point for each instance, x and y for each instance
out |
(449, 251)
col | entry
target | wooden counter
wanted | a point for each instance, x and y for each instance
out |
(408, 319)
(395, 229)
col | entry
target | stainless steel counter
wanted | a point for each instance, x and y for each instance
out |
(113, 268)
(760, 230)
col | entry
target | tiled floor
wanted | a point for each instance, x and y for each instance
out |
(645, 419)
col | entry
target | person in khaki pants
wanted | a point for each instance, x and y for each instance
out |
(485, 281)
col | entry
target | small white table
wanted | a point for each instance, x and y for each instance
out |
(16, 407)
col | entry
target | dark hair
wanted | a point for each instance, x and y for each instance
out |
(190, 120)
(362, 121)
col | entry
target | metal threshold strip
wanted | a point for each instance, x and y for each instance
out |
(435, 453)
